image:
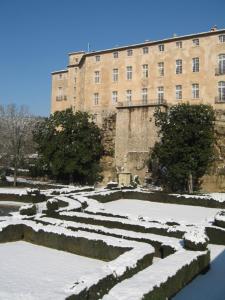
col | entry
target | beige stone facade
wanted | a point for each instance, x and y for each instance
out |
(132, 80)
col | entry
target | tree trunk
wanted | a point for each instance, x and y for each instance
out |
(15, 175)
(190, 184)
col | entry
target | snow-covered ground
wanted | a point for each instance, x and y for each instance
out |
(162, 211)
(211, 285)
(31, 272)
(11, 190)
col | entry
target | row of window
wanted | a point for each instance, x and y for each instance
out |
(161, 47)
(160, 93)
(178, 69)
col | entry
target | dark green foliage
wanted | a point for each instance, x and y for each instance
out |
(185, 149)
(69, 145)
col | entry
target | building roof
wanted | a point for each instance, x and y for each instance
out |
(150, 43)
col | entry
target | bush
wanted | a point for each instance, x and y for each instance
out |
(52, 205)
(29, 209)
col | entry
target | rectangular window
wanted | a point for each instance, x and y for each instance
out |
(115, 75)
(97, 77)
(195, 90)
(195, 64)
(114, 97)
(59, 96)
(179, 66)
(161, 68)
(96, 98)
(179, 44)
(161, 48)
(129, 73)
(145, 71)
(222, 38)
(97, 58)
(129, 95)
(160, 94)
(195, 42)
(178, 92)
(60, 76)
(115, 54)
(145, 50)
(144, 93)
(129, 52)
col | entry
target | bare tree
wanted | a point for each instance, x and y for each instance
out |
(16, 126)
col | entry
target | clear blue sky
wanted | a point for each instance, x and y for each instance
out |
(36, 35)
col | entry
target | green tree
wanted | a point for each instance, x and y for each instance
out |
(185, 149)
(69, 147)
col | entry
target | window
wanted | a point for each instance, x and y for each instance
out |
(75, 70)
(195, 42)
(129, 52)
(160, 94)
(115, 54)
(59, 96)
(195, 64)
(144, 93)
(178, 92)
(96, 98)
(97, 77)
(161, 68)
(60, 76)
(115, 75)
(129, 72)
(60, 91)
(195, 90)
(222, 64)
(145, 50)
(221, 90)
(97, 58)
(145, 71)
(75, 79)
(161, 48)
(114, 97)
(179, 44)
(222, 38)
(129, 95)
(76, 59)
(179, 66)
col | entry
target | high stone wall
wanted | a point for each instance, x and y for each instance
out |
(108, 127)
(136, 134)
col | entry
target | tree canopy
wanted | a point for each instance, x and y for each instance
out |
(69, 147)
(185, 149)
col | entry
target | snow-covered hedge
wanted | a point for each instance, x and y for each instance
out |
(52, 205)
(29, 209)
(220, 219)
(196, 239)
(163, 279)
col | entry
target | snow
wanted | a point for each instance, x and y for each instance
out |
(11, 190)
(158, 211)
(34, 272)
(209, 286)
(220, 197)
(11, 203)
(175, 243)
(144, 281)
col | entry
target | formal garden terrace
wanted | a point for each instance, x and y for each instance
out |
(109, 244)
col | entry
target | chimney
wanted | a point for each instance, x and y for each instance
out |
(214, 28)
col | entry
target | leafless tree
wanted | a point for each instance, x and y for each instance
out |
(16, 126)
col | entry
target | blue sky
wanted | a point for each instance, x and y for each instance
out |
(36, 35)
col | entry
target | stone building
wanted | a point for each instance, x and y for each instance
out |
(122, 87)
